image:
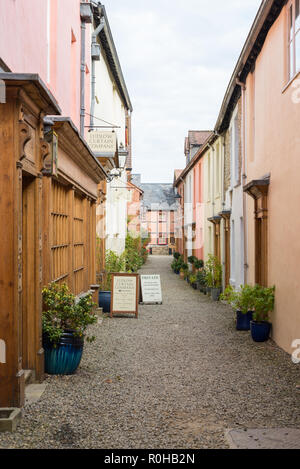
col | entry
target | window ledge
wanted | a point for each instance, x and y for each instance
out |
(290, 82)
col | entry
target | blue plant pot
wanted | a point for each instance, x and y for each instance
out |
(260, 331)
(215, 293)
(104, 300)
(243, 321)
(64, 359)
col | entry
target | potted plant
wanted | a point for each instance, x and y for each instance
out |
(176, 255)
(201, 280)
(264, 299)
(193, 281)
(113, 264)
(243, 303)
(184, 271)
(65, 321)
(192, 259)
(214, 277)
(198, 264)
(173, 266)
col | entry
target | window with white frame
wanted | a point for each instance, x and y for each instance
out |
(294, 37)
(236, 150)
(235, 141)
(218, 167)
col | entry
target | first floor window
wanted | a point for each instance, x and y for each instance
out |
(294, 37)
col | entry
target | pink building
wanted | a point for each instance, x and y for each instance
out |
(49, 177)
(189, 184)
(45, 37)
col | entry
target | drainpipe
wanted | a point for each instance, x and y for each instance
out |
(96, 54)
(86, 17)
(244, 178)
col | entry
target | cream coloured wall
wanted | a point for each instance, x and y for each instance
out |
(213, 163)
(110, 108)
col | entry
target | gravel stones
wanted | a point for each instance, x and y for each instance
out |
(178, 377)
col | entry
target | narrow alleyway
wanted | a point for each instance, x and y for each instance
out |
(178, 377)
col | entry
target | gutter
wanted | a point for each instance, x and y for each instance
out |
(86, 17)
(251, 50)
(96, 55)
(114, 56)
(201, 151)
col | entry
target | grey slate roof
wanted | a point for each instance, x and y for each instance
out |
(159, 197)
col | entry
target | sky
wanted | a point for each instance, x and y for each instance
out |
(177, 58)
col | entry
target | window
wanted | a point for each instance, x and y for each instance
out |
(232, 250)
(294, 37)
(218, 173)
(236, 150)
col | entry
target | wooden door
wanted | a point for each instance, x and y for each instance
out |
(29, 272)
(227, 253)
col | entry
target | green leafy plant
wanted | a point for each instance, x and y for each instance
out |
(264, 300)
(113, 264)
(176, 255)
(201, 277)
(193, 279)
(213, 272)
(184, 269)
(198, 264)
(240, 300)
(63, 311)
(192, 259)
(133, 257)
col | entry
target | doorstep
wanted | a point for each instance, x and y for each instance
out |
(33, 393)
(264, 438)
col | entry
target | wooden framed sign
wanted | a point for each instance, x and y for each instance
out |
(124, 294)
(151, 289)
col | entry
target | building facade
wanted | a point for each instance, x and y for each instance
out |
(250, 173)
(50, 177)
(109, 132)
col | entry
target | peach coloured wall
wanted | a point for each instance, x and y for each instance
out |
(24, 47)
(134, 211)
(179, 221)
(273, 146)
(198, 208)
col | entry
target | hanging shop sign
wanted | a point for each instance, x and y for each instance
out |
(102, 143)
(151, 292)
(124, 294)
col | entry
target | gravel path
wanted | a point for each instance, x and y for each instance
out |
(178, 377)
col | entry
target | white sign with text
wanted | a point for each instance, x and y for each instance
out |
(151, 289)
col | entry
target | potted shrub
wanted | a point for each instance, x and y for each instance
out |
(184, 271)
(176, 255)
(201, 280)
(264, 299)
(214, 277)
(193, 281)
(242, 302)
(65, 321)
(113, 264)
(198, 264)
(192, 259)
(176, 265)
(173, 265)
